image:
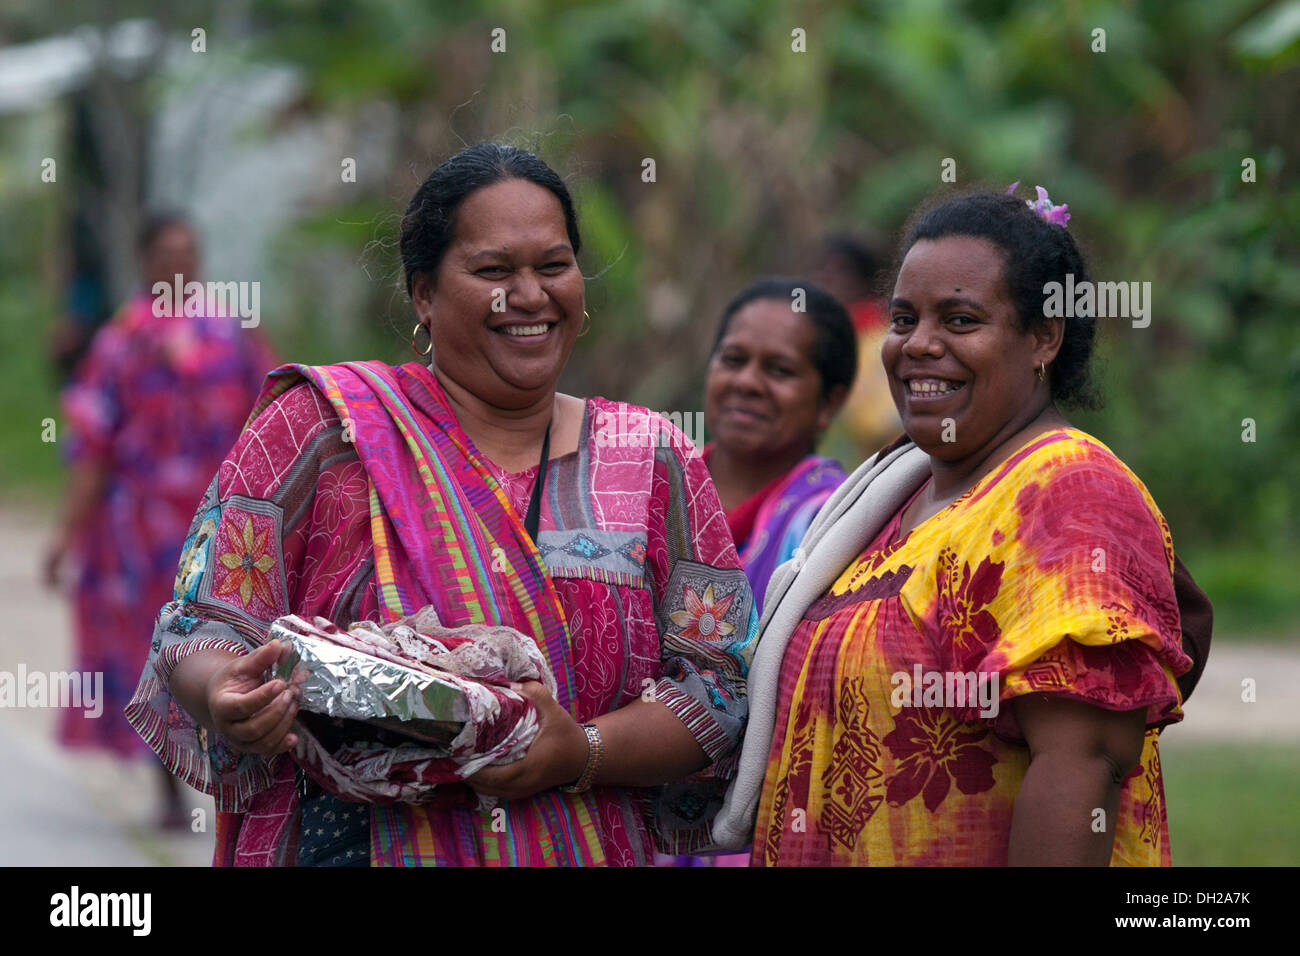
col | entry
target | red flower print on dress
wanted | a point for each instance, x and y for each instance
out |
(248, 561)
(932, 751)
(869, 564)
(1117, 621)
(703, 615)
(637, 553)
(965, 625)
(1124, 670)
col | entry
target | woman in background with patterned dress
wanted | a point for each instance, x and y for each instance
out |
(776, 380)
(151, 411)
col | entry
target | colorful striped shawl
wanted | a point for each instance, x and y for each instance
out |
(445, 534)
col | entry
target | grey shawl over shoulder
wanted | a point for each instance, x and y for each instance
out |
(845, 525)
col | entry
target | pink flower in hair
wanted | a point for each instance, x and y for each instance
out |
(1056, 215)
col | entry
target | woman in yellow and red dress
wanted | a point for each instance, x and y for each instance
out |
(984, 684)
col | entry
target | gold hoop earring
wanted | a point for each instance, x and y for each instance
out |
(586, 328)
(1041, 373)
(415, 333)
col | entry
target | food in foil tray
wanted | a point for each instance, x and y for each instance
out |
(389, 713)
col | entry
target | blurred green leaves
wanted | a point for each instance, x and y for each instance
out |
(1271, 39)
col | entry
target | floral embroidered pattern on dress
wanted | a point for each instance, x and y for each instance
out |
(703, 615)
(248, 562)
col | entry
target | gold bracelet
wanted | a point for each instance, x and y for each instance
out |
(595, 753)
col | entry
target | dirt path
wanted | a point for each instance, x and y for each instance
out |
(59, 807)
(1219, 710)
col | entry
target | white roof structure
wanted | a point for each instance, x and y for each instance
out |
(32, 74)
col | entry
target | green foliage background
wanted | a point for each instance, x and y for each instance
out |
(759, 150)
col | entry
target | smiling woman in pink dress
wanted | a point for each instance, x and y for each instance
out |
(362, 491)
(783, 361)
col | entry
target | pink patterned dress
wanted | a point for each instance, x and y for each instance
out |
(632, 537)
(157, 402)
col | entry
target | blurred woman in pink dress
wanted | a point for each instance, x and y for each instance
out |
(150, 412)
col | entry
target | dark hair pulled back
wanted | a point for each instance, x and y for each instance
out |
(1034, 252)
(429, 224)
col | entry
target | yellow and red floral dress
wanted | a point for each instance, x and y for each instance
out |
(1053, 575)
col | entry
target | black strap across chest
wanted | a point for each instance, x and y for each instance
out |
(534, 515)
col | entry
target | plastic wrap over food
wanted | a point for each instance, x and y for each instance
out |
(390, 713)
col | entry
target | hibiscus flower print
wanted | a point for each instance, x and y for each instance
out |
(1125, 677)
(703, 616)
(965, 625)
(1117, 618)
(248, 562)
(932, 751)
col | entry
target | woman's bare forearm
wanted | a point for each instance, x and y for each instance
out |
(85, 489)
(646, 744)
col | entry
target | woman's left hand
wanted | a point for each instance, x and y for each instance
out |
(557, 756)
